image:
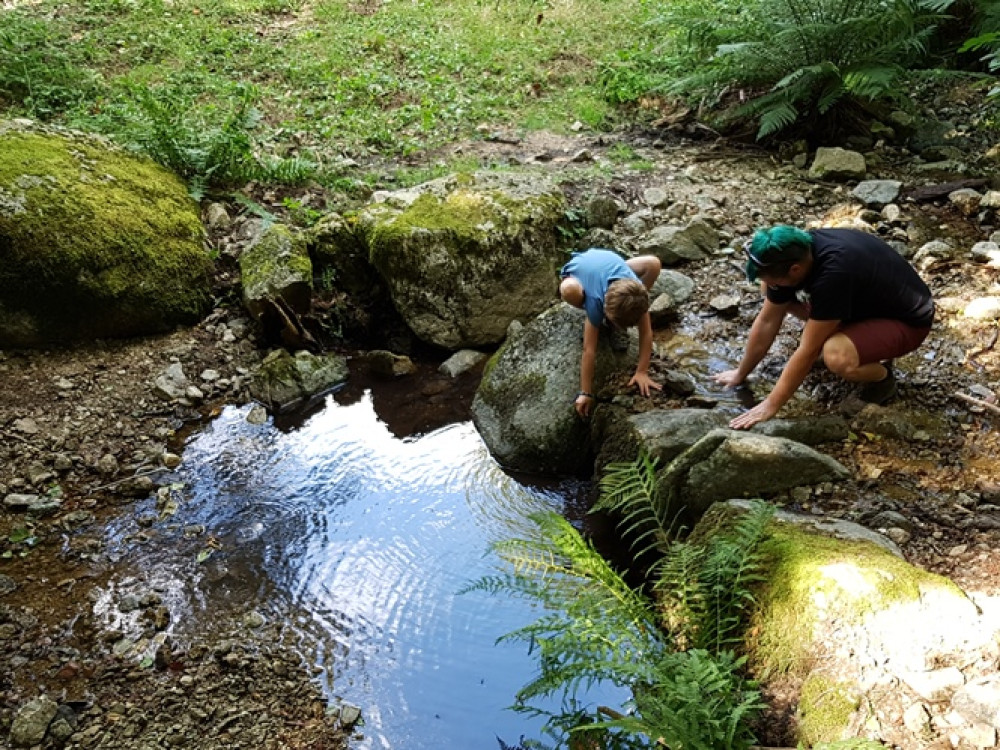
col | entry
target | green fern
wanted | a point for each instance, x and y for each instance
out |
(699, 703)
(629, 490)
(598, 623)
(728, 573)
(208, 156)
(809, 58)
(776, 113)
(704, 590)
(676, 656)
(987, 34)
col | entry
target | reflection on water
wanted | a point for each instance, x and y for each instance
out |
(360, 541)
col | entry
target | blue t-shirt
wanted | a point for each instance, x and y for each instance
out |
(595, 269)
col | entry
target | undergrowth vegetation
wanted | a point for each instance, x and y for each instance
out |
(337, 82)
(674, 644)
(333, 80)
(803, 58)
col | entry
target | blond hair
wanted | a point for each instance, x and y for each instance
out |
(625, 302)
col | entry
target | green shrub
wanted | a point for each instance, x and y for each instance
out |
(987, 38)
(206, 154)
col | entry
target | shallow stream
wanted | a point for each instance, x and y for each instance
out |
(359, 542)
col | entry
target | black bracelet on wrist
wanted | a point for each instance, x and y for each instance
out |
(584, 393)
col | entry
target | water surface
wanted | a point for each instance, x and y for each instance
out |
(359, 541)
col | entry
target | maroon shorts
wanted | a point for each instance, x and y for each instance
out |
(880, 338)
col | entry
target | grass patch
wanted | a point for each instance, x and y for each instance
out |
(334, 78)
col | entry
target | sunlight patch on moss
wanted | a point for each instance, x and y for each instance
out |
(813, 579)
(825, 710)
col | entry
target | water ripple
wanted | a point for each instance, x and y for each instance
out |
(358, 542)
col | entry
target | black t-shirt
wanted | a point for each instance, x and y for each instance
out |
(856, 276)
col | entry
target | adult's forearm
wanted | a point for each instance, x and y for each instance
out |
(762, 335)
(795, 371)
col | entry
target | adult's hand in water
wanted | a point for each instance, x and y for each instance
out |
(729, 378)
(760, 413)
(644, 382)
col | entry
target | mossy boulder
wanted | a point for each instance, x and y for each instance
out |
(847, 619)
(523, 407)
(464, 256)
(276, 266)
(94, 242)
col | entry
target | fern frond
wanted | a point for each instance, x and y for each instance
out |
(598, 629)
(731, 566)
(822, 54)
(629, 489)
(699, 702)
(871, 82)
(776, 117)
(829, 96)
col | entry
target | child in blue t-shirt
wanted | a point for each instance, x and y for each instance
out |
(609, 288)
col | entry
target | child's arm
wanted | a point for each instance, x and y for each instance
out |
(641, 377)
(585, 398)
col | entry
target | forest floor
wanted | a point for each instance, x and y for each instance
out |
(84, 429)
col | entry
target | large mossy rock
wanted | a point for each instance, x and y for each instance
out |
(849, 621)
(464, 256)
(523, 407)
(94, 242)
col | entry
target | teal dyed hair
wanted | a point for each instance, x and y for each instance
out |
(777, 249)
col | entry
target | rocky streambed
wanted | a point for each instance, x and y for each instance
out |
(87, 432)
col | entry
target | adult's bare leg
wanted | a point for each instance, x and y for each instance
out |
(841, 358)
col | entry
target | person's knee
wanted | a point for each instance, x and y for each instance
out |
(839, 358)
